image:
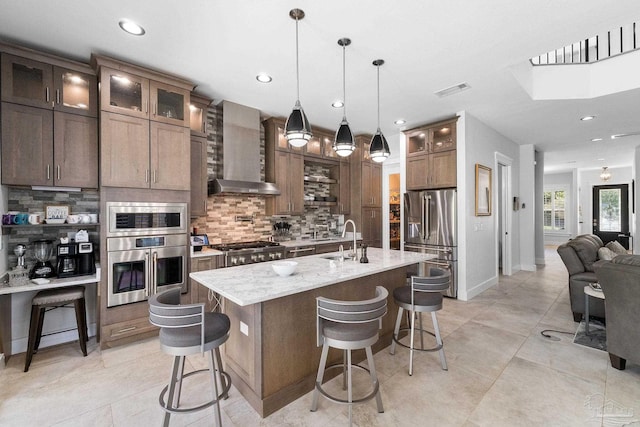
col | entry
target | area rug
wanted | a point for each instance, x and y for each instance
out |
(597, 337)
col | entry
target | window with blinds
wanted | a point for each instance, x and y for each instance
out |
(554, 208)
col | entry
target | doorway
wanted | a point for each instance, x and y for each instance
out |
(611, 213)
(394, 211)
(504, 214)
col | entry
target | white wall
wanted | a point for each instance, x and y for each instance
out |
(527, 213)
(477, 242)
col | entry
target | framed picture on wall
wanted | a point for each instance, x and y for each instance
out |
(483, 190)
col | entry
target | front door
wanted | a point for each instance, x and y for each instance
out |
(611, 213)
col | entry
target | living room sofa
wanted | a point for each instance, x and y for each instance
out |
(580, 256)
(620, 281)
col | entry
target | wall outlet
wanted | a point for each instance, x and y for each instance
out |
(244, 328)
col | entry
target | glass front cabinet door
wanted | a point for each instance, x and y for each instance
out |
(169, 104)
(124, 93)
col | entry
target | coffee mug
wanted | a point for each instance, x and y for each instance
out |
(20, 218)
(93, 218)
(34, 218)
(7, 219)
(84, 218)
(73, 219)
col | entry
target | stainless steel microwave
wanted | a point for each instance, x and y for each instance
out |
(146, 218)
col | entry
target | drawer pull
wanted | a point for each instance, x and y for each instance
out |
(123, 330)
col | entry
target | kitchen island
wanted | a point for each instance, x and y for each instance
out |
(271, 354)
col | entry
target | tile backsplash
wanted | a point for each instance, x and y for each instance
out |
(27, 200)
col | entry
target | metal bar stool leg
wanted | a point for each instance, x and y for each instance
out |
(176, 396)
(436, 327)
(413, 329)
(374, 378)
(396, 331)
(33, 332)
(349, 387)
(214, 383)
(419, 314)
(172, 388)
(321, 368)
(223, 379)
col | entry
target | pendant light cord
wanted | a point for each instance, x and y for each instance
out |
(378, 67)
(344, 86)
(297, 65)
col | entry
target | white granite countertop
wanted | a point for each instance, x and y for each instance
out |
(255, 283)
(53, 283)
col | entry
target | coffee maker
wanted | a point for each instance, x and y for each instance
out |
(76, 259)
(67, 259)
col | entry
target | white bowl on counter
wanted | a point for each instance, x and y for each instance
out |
(284, 268)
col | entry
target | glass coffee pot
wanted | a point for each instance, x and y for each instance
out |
(42, 250)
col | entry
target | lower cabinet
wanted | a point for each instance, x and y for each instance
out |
(201, 293)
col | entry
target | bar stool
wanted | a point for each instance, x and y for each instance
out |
(184, 330)
(349, 325)
(424, 295)
(48, 300)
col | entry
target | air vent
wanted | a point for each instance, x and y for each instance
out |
(453, 89)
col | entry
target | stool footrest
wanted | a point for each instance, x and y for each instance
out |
(370, 396)
(223, 395)
(397, 340)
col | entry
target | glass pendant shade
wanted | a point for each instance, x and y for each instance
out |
(344, 144)
(297, 129)
(605, 175)
(379, 148)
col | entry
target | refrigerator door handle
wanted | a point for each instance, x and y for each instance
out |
(427, 218)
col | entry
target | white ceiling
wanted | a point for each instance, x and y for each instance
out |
(427, 46)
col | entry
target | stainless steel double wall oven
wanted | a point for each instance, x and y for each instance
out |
(147, 249)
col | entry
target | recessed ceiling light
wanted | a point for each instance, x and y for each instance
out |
(400, 122)
(587, 118)
(596, 139)
(571, 161)
(263, 78)
(601, 159)
(131, 27)
(337, 104)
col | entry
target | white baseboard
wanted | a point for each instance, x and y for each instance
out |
(540, 261)
(20, 345)
(2, 361)
(478, 289)
(528, 267)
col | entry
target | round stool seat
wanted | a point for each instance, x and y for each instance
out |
(424, 301)
(350, 331)
(57, 296)
(216, 326)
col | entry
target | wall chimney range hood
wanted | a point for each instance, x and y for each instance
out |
(241, 154)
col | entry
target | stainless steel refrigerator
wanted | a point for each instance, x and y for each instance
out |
(430, 227)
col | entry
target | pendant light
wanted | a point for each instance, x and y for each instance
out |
(297, 128)
(605, 175)
(343, 143)
(379, 148)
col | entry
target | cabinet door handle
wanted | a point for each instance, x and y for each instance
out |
(204, 126)
(146, 175)
(155, 175)
(58, 96)
(46, 94)
(153, 108)
(146, 106)
(48, 172)
(58, 171)
(205, 206)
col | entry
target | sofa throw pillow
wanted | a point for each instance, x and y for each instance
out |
(616, 247)
(606, 254)
(587, 251)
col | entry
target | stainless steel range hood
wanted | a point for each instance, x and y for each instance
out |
(241, 154)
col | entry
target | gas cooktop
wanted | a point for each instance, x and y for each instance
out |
(225, 247)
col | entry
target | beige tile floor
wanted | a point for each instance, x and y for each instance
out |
(502, 372)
